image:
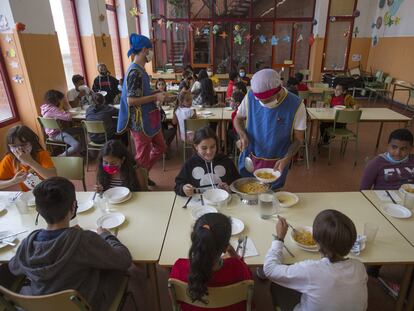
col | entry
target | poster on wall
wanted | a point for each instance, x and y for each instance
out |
(356, 57)
(4, 24)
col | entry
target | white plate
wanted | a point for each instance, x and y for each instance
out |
(117, 194)
(111, 220)
(339, 107)
(288, 198)
(11, 239)
(228, 108)
(276, 174)
(206, 113)
(396, 210)
(166, 108)
(237, 226)
(198, 211)
(123, 200)
(2, 206)
(28, 197)
(117, 106)
(83, 206)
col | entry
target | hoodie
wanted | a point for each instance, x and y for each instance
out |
(103, 113)
(92, 264)
(200, 173)
(53, 112)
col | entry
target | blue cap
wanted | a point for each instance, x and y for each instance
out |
(138, 42)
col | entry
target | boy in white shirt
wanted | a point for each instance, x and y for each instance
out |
(331, 283)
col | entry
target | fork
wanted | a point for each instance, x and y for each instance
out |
(239, 243)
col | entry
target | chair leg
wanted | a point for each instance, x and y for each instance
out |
(356, 151)
(87, 159)
(329, 152)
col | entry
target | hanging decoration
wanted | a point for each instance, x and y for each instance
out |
(357, 13)
(394, 6)
(11, 53)
(248, 37)
(169, 24)
(20, 27)
(216, 29)
(333, 19)
(280, 3)
(262, 39)
(8, 39)
(347, 32)
(135, 12)
(373, 25)
(286, 39)
(258, 26)
(206, 31)
(237, 27)
(311, 39)
(267, 12)
(397, 20)
(375, 40)
(295, 26)
(274, 41)
(356, 31)
(18, 79)
(176, 28)
(4, 23)
(378, 23)
(198, 33)
(381, 4)
(300, 38)
(314, 22)
(160, 22)
(14, 64)
(224, 35)
(190, 27)
(238, 39)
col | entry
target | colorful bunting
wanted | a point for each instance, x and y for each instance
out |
(248, 37)
(216, 29)
(262, 39)
(300, 38)
(224, 35)
(286, 38)
(274, 40)
(238, 39)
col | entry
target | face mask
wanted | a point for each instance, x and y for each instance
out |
(149, 56)
(120, 87)
(210, 73)
(391, 160)
(111, 169)
(242, 74)
(103, 73)
(272, 104)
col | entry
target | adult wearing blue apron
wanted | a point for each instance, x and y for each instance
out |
(138, 111)
(271, 124)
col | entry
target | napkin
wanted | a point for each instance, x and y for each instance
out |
(357, 248)
(251, 250)
(383, 196)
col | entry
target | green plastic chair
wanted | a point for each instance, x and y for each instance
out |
(70, 168)
(52, 124)
(192, 125)
(383, 90)
(93, 127)
(345, 135)
(378, 80)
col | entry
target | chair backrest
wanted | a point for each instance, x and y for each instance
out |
(69, 167)
(321, 85)
(49, 123)
(379, 75)
(348, 116)
(388, 80)
(94, 127)
(67, 300)
(355, 71)
(327, 96)
(194, 124)
(304, 94)
(218, 297)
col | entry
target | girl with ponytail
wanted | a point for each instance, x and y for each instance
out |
(206, 267)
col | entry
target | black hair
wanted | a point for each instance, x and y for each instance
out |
(25, 135)
(98, 100)
(54, 198)
(202, 74)
(53, 97)
(335, 233)
(117, 149)
(209, 239)
(402, 135)
(186, 74)
(189, 67)
(292, 82)
(160, 80)
(242, 68)
(299, 76)
(241, 86)
(233, 75)
(204, 133)
(76, 79)
(238, 96)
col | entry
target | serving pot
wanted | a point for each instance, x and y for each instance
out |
(249, 199)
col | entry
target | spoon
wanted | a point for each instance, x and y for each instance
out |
(248, 164)
(8, 243)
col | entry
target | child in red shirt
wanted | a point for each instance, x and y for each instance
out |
(206, 267)
(301, 86)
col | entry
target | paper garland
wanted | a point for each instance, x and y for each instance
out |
(274, 41)
(286, 39)
(262, 39)
(300, 38)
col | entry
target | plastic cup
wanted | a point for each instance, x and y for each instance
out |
(370, 231)
(22, 206)
(268, 204)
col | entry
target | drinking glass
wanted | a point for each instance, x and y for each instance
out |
(268, 204)
(370, 231)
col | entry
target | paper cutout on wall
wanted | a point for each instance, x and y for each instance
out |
(357, 13)
(375, 40)
(267, 12)
(14, 64)
(176, 28)
(216, 29)
(11, 53)
(248, 37)
(356, 57)
(274, 40)
(224, 35)
(397, 21)
(8, 39)
(300, 38)
(314, 22)
(286, 38)
(262, 39)
(311, 39)
(347, 32)
(198, 33)
(356, 31)
(237, 27)
(395, 6)
(4, 24)
(280, 2)
(390, 2)
(135, 12)
(378, 23)
(169, 24)
(160, 22)
(206, 31)
(190, 27)
(17, 79)
(238, 39)
(332, 19)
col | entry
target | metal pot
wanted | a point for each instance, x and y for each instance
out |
(249, 199)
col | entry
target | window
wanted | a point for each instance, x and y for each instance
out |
(228, 34)
(339, 26)
(8, 111)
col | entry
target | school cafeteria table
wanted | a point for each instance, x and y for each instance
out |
(389, 247)
(368, 115)
(147, 215)
(402, 86)
(221, 93)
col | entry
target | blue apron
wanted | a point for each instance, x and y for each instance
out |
(145, 118)
(270, 132)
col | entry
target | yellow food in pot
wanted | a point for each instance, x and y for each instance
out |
(304, 237)
(252, 188)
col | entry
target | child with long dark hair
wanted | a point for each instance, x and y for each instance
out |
(206, 267)
(25, 154)
(117, 168)
(203, 90)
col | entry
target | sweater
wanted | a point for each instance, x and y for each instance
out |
(92, 264)
(196, 171)
(103, 113)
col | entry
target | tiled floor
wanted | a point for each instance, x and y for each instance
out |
(341, 175)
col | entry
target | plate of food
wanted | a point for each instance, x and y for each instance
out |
(266, 175)
(287, 199)
(302, 237)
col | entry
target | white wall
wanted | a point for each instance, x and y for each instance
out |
(145, 18)
(88, 17)
(84, 17)
(363, 22)
(126, 21)
(6, 11)
(321, 13)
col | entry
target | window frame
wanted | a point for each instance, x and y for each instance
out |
(111, 6)
(9, 92)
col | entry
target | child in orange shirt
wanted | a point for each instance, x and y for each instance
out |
(25, 158)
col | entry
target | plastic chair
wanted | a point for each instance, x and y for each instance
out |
(384, 90)
(378, 80)
(347, 117)
(218, 297)
(192, 125)
(66, 300)
(52, 124)
(70, 168)
(93, 127)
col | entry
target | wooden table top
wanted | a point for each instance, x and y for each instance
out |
(368, 114)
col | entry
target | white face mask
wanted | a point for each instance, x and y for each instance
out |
(120, 87)
(210, 73)
(272, 104)
(149, 56)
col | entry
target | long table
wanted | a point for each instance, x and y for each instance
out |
(147, 216)
(380, 115)
(402, 86)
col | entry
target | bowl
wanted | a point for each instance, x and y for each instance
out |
(293, 234)
(215, 196)
(286, 199)
(248, 198)
(198, 211)
(117, 194)
(274, 175)
(339, 107)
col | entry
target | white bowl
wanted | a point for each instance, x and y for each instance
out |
(276, 174)
(339, 107)
(287, 199)
(198, 211)
(215, 196)
(117, 194)
(304, 246)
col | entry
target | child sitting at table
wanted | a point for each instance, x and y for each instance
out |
(341, 98)
(203, 91)
(230, 86)
(324, 284)
(117, 167)
(187, 82)
(301, 86)
(292, 85)
(212, 76)
(25, 154)
(182, 112)
(395, 167)
(53, 108)
(61, 257)
(206, 267)
(206, 168)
